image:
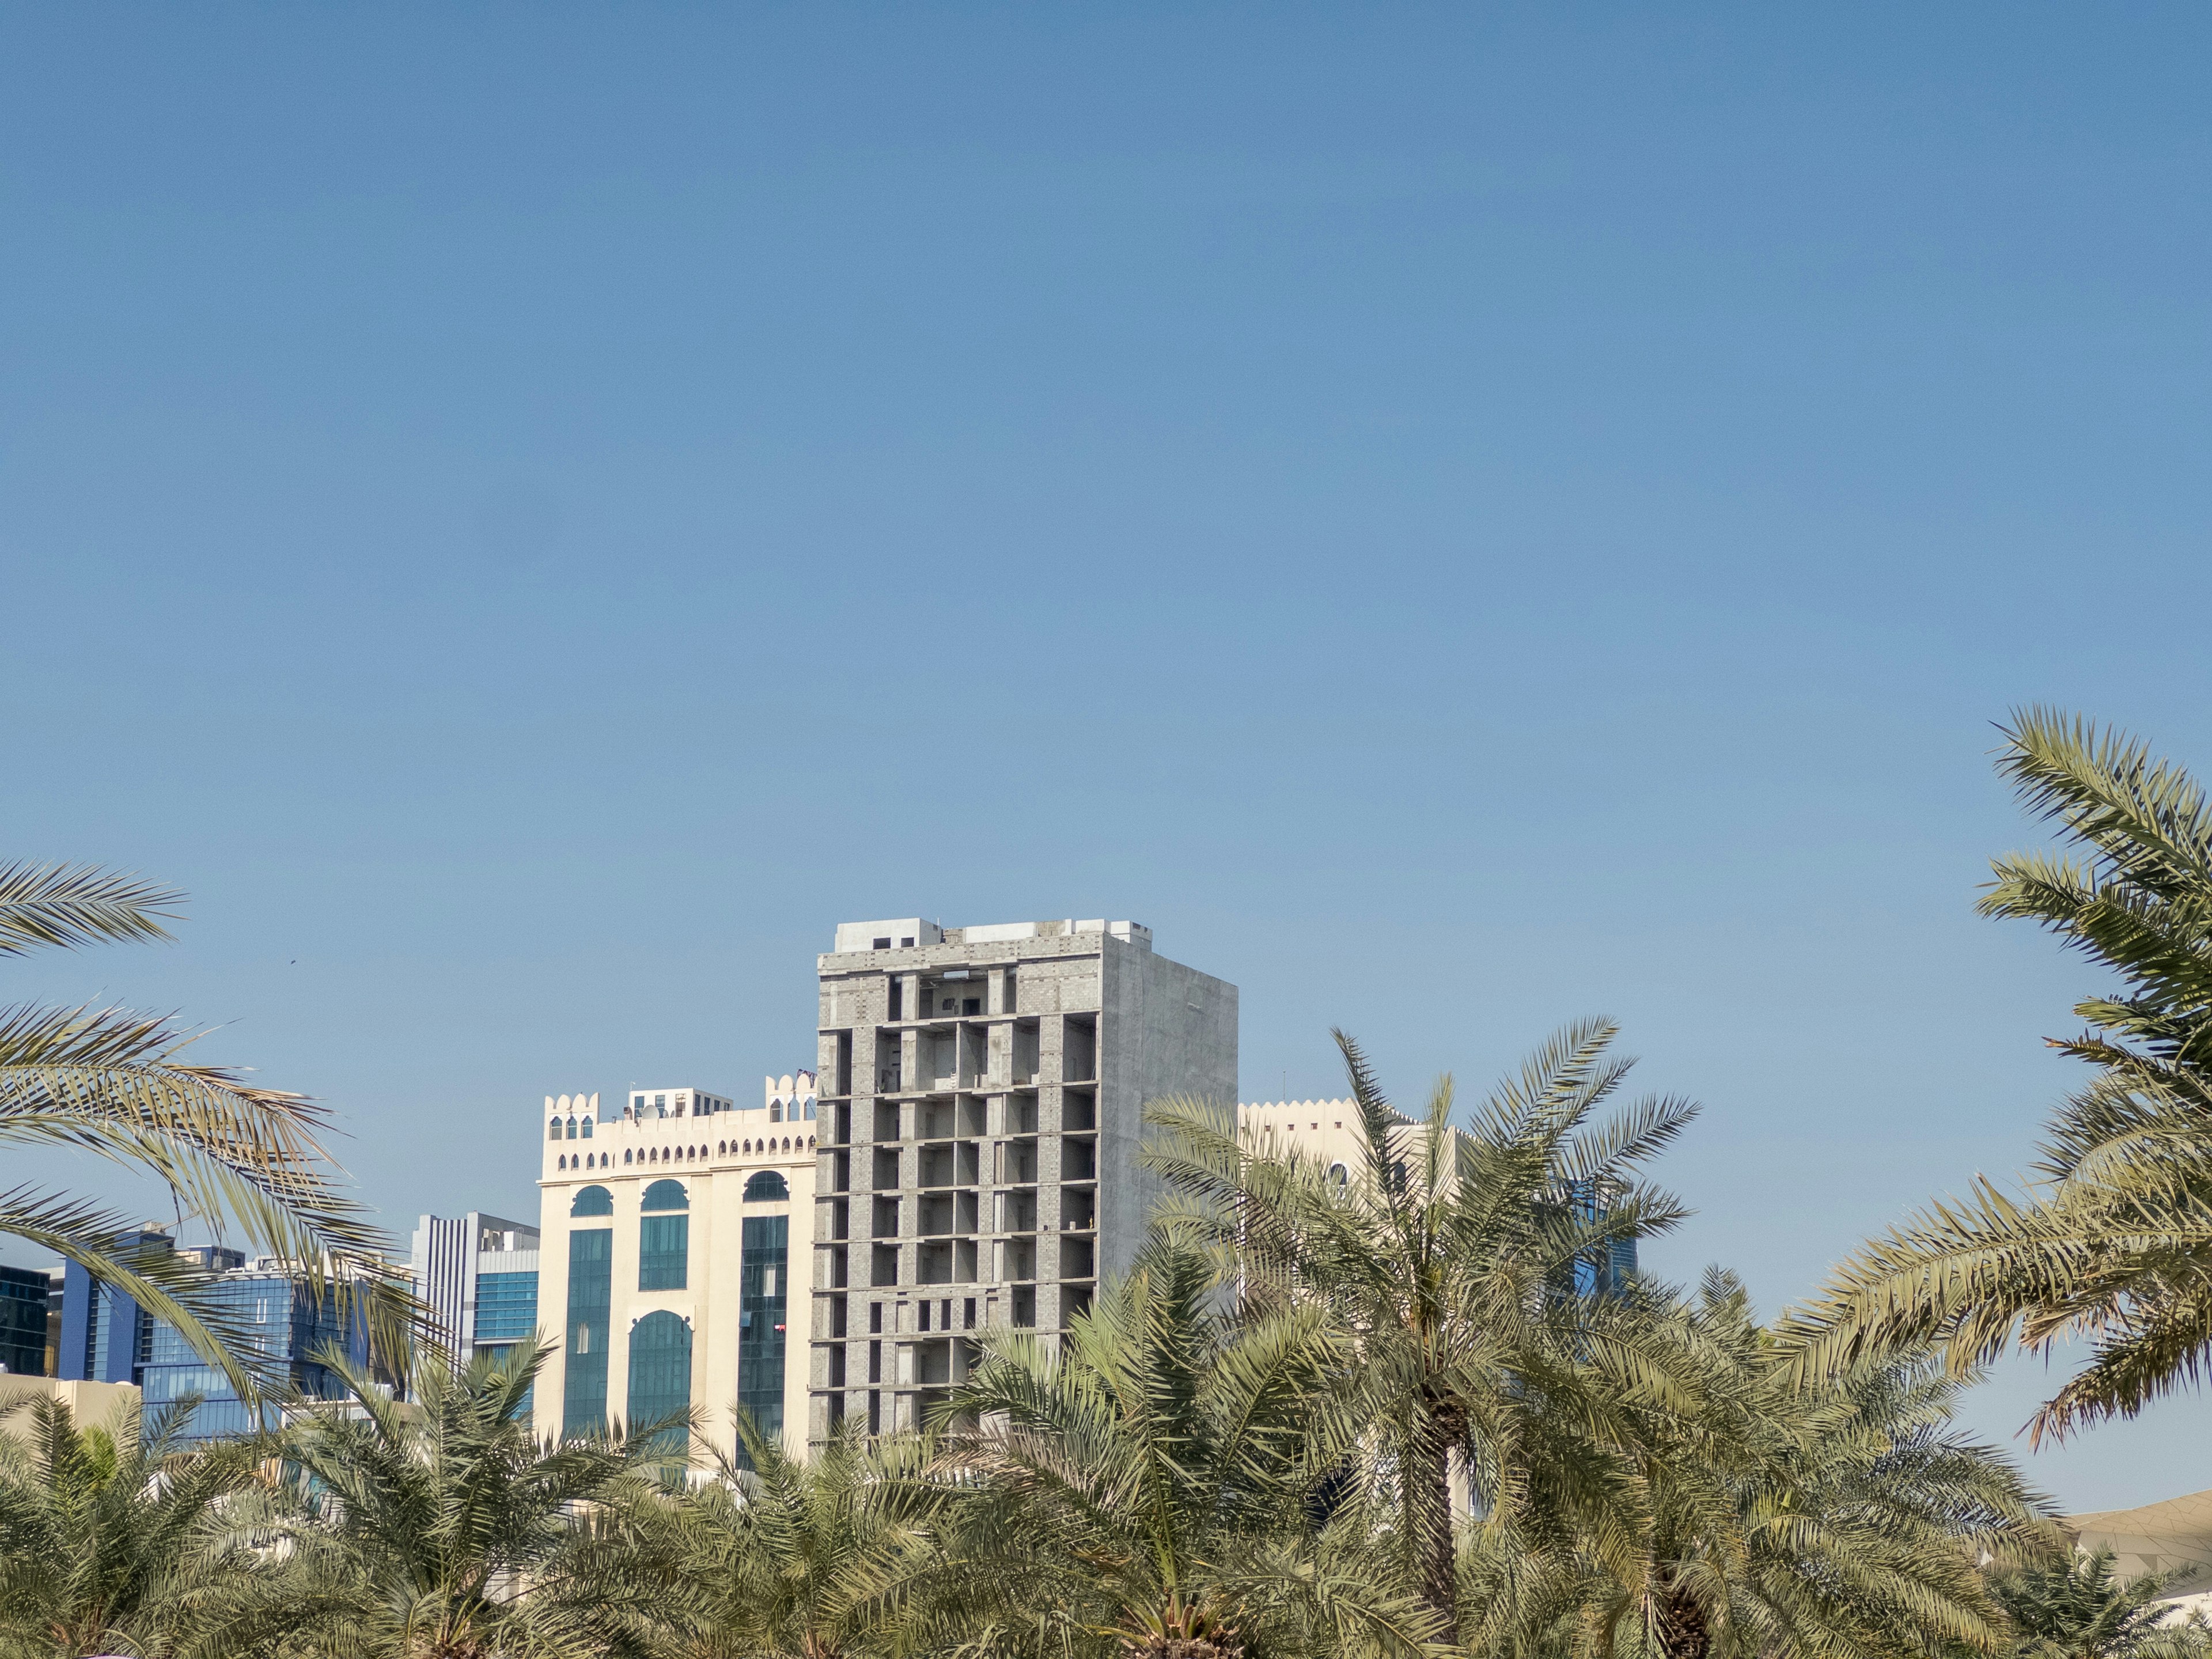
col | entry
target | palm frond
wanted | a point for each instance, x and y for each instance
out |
(64, 906)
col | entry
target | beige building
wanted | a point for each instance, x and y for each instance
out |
(91, 1404)
(671, 1235)
(1315, 1128)
(2173, 1539)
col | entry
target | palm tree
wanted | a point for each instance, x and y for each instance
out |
(2112, 1243)
(442, 1529)
(2082, 1610)
(118, 1085)
(1838, 1516)
(1450, 1263)
(1159, 1485)
(116, 1540)
(790, 1559)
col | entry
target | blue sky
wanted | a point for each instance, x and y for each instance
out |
(1457, 518)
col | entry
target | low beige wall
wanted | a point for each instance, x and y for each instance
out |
(89, 1403)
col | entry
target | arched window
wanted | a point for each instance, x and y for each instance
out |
(810, 1143)
(592, 1201)
(659, 1373)
(561, 1162)
(572, 1128)
(587, 1127)
(664, 1238)
(748, 1149)
(625, 1154)
(721, 1147)
(554, 1133)
(766, 1187)
(809, 1111)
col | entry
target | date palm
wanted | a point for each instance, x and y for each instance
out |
(820, 1557)
(1839, 1517)
(442, 1528)
(112, 1539)
(2084, 1610)
(1450, 1263)
(1155, 1483)
(240, 1158)
(2112, 1243)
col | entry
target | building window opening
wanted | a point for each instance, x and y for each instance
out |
(554, 1133)
(660, 1374)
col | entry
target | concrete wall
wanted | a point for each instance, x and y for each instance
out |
(1169, 1031)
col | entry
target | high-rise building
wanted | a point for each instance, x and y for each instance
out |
(105, 1336)
(668, 1261)
(108, 1337)
(982, 1092)
(477, 1273)
(289, 1331)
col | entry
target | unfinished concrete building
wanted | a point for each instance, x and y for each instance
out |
(982, 1097)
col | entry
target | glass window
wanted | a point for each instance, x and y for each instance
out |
(590, 1287)
(763, 1292)
(766, 1187)
(664, 1252)
(592, 1201)
(666, 1195)
(507, 1306)
(659, 1373)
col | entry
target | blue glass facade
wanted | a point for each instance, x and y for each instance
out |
(1610, 1267)
(105, 1335)
(287, 1329)
(507, 1307)
(23, 1292)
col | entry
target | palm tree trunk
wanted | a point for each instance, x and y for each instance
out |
(1428, 1490)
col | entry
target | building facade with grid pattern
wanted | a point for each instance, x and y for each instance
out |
(983, 1093)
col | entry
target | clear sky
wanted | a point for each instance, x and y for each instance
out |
(1457, 518)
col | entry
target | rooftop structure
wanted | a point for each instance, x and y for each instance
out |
(982, 1096)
